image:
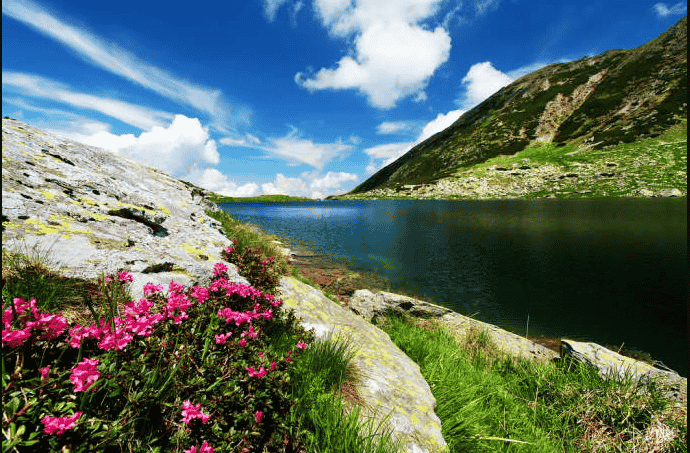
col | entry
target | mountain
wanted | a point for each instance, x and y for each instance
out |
(583, 108)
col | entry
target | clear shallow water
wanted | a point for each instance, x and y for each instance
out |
(611, 271)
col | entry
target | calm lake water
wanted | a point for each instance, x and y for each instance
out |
(611, 271)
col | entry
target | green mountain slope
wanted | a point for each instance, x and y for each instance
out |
(584, 106)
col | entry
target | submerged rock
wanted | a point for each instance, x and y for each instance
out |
(390, 383)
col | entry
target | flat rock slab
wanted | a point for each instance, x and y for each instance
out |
(390, 382)
(609, 363)
(369, 305)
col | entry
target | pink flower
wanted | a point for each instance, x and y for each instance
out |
(257, 374)
(220, 269)
(151, 288)
(125, 277)
(16, 337)
(302, 345)
(258, 415)
(242, 342)
(251, 333)
(85, 374)
(222, 338)
(205, 448)
(117, 340)
(200, 293)
(273, 366)
(190, 412)
(175, 287)
(44, 373)
(58, 425)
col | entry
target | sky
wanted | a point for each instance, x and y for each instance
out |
(298, 97)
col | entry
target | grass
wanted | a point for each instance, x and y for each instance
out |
(322, 414)
(489, 403)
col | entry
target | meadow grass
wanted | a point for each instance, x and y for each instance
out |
(488, 402)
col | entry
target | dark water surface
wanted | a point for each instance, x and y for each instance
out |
(611, 271)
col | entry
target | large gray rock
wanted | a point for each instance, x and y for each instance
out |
(96, 212)
(611, 363)
(370, 305)
(390, 384)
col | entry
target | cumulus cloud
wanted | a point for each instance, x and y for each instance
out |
(112, 58)
(298, 150)
(216, 181)
(44, 88)
(662, 10)
(382, 155)
(481, 81)
(393, 55)
(309, 184)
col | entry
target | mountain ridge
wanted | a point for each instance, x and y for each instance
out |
(619, 96)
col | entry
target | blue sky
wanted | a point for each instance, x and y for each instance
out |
(294, 97)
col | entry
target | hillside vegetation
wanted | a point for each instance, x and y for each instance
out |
(561, 115)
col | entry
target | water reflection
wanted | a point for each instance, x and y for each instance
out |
(604, 270)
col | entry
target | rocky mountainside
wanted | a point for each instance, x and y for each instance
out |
(621, 96)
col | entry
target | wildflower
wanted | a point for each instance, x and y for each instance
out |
(257, 374)
(222, 338)
(200, 293)
(16, 337)
(175, 287)
(150, 288)
(220, 269)
(273, 366)
(115, 340)
(190, 412)
(125, 277)
(251, 333)
(302, 345)
(205, 448)
(258, 415)
(58, 425)
(85, 374)
(44, 373)
(242, 342)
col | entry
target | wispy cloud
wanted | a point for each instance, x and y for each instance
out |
(394, 127)
(662, 10)
(112, 58)
(43, 88)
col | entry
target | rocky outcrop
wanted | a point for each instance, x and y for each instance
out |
(390, 383)
(611, 363)
(96, 212)
(370, 305)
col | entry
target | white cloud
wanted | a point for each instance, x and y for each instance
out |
(271, 8)
(112, 58)
(309, 184)
(248, 141)
(486, 6)
(299, 150)
(178, 149)
(382, 155)
(43, 88)
(481, 81)
(394, 127)
(216, 181)
(393, 56)
(662, 10)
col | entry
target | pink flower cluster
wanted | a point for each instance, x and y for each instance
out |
(51, 325)
(58, 425)
(257, 374)
(85, 374)
(205, 448)
(190, 412)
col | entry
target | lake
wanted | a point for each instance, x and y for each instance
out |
(611, 271)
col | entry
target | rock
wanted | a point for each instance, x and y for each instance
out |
(646, 193)
(370, 305)
(670, 193)
(609, 362)
(96, 212)
(390, 384)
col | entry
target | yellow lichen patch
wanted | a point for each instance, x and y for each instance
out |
(41, 228)
(138, 249)
(97, 216)
(10, 225)
(194, 251)
(47, 194)
(202, 219)
(87, 201)
(163, 209)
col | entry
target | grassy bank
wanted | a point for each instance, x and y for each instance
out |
(86, 369)
(488, 402)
